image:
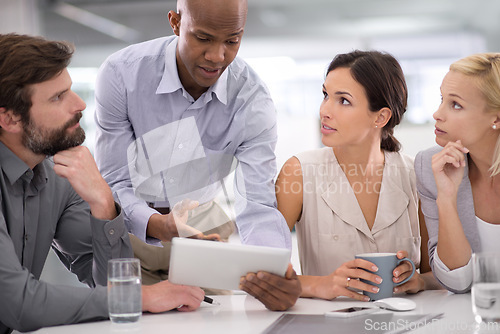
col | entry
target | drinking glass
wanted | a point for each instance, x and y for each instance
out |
(124, 290)
(486, 287)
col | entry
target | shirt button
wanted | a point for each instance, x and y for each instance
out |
(335, 237)
(180, 146)
(171, 180)
(112, 231)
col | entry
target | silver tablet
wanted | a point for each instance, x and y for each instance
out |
(220, 265)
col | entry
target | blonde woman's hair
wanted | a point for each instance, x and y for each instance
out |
(485, 69)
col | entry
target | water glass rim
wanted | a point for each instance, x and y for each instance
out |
(124, 259)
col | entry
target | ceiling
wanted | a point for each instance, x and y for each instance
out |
(298, 28)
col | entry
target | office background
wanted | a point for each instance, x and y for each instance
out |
(289, 43)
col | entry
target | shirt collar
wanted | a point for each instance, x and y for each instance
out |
(170, 81)
(14, 168)
(220, 87)
(393, 200)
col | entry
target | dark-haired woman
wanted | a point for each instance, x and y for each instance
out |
(358, 194)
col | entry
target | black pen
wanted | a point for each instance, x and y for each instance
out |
(210, 300)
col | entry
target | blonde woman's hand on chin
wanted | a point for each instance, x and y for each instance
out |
(448, 167)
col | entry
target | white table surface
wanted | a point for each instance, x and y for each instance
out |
(241, 313)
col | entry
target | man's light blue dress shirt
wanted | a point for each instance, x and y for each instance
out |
(156, 144)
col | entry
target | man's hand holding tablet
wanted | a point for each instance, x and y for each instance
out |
(277, 293)
(263, 272)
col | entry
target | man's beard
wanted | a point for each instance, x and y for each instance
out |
(49, 142)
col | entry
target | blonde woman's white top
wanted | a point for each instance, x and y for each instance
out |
(461, 278)
(332, 228)
(489, 234)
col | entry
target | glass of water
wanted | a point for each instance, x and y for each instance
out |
(124, 290)
(486, 287)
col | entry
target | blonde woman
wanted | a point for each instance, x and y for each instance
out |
(459, 182)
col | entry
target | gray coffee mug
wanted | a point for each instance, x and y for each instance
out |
(386, 263)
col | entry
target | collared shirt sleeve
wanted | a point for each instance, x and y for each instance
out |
(459, 279)
(258, 219)
(84, 244)
(114, 135)
(28, 303)
(86, 252)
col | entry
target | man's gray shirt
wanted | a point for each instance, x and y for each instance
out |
(40, 210)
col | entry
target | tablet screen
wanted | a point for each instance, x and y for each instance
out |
(220, 265)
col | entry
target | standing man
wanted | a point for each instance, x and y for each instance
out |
(175, 113)
(52, 194)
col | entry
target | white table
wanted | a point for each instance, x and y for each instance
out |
(241, 313)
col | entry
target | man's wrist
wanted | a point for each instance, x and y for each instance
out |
(105, 208)
(152, 229)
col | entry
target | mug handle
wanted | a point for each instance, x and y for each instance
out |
(412, 270)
